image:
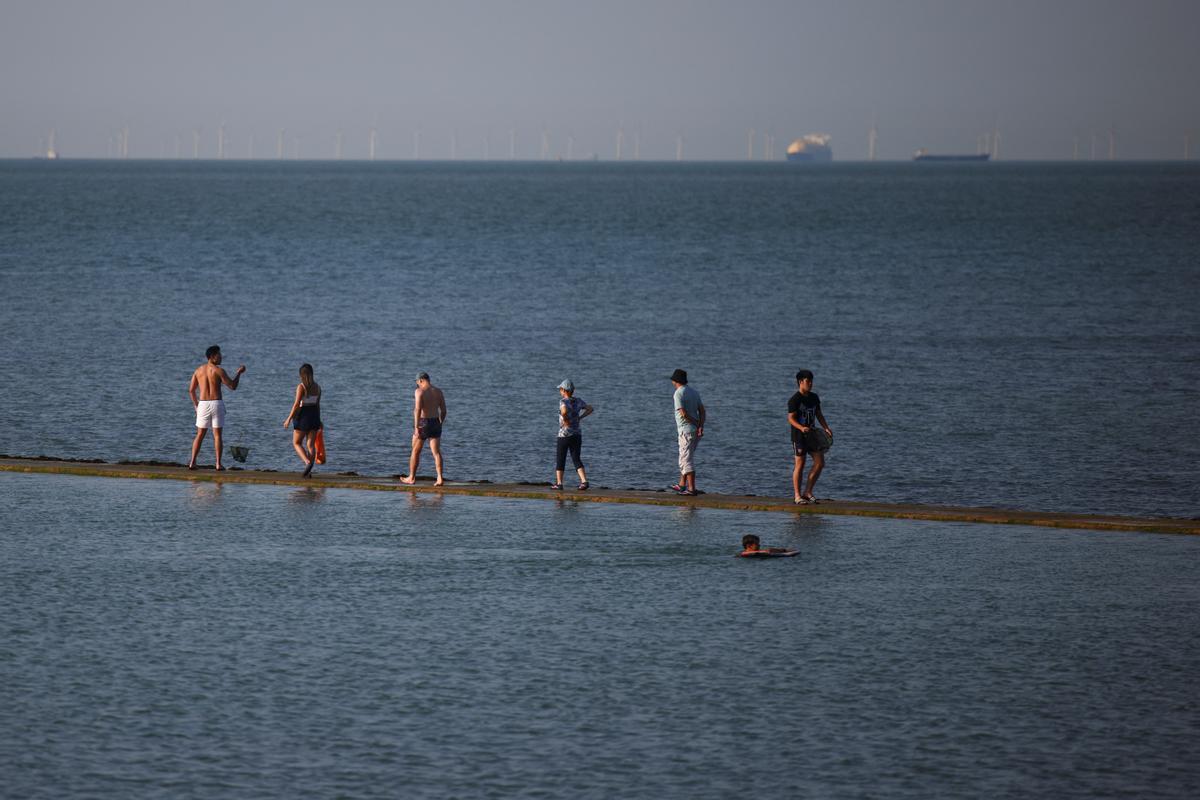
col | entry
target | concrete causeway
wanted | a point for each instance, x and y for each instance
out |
(532, 491)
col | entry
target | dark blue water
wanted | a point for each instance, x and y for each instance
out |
(1012, 334)
(163, 639)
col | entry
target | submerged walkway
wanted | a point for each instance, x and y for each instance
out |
(350, 480)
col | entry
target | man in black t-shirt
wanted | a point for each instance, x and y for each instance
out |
(804, 412)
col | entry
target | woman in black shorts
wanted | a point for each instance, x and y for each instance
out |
(306, 413)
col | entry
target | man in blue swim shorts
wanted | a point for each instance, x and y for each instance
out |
(429, 412)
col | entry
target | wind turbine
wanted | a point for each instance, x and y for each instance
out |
(337, 146)
(221, 142)
(750, 145)
(872, 139)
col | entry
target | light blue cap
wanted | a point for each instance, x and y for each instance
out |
(570, 387)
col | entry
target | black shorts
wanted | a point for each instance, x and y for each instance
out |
(309, 419)
(815, 441)
(429, 428)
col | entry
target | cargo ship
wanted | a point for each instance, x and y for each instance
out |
(813, 148)
(925, 155)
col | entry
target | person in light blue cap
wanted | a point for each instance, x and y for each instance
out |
(571, 410)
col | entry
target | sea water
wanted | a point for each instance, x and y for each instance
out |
(1021, 335)
(176, 640)
(1009, 334)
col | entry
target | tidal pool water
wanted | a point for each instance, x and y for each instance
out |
(173, 639)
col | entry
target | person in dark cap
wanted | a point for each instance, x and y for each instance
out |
(689, 425)
(429, 412)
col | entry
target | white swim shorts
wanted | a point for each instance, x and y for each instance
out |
(210, 414)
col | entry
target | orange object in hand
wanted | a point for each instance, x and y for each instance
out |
(319, 446)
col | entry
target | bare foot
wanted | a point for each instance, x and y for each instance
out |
(219, 468)
(192, 467)
(410, 480)
(439, 482)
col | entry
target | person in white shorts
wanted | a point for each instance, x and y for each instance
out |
(689, 424)
(210, 408)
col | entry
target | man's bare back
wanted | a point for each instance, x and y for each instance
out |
(207, 379)
(431, 403)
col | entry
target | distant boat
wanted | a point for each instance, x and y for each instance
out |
(925, 155)
(811, 148)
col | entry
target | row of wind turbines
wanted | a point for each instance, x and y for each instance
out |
(286, 146)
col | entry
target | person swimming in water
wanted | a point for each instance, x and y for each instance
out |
(751, 548)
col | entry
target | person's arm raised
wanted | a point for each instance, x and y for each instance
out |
(233, 382)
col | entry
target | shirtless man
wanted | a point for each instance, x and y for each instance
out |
(429, 412)
(210, 408)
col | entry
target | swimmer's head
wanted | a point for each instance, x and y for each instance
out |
(213, 352)
(749, 542)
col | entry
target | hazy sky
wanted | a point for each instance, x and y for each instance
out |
(932, 73)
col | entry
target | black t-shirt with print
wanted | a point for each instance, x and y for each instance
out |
(805, 407)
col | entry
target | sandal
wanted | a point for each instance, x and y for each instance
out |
(802, 501)
(677, 488)
(583, 487)
(556, 486)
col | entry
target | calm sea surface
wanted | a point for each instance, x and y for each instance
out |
(1005, 334)
(1009, 334)
(174, 640)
